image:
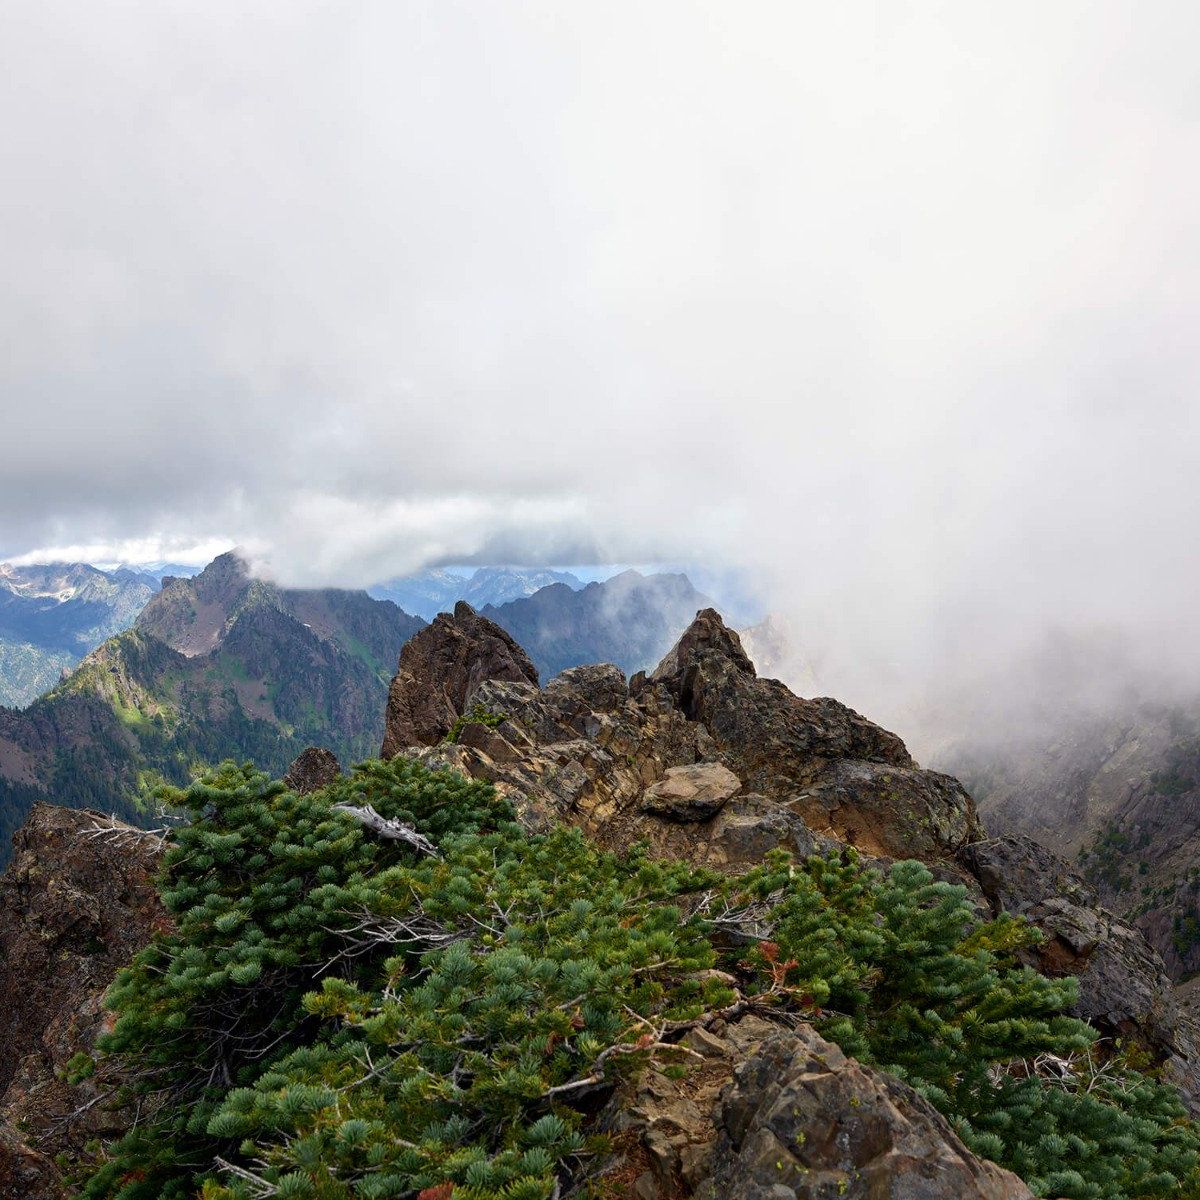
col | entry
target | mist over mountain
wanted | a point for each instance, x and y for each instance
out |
(630, 620)
(52, 614)
(430, 592)
(1100, 762)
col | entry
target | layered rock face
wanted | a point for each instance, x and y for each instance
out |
(77, 902)
(702, 758)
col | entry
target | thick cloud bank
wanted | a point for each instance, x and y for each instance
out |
(893, 306)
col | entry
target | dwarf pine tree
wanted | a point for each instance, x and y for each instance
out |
(338, 1016)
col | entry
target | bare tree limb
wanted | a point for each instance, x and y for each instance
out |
(260, 1188)
(394, 831)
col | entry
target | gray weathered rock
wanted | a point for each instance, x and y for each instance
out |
(691, 793)
(801, 1121)
(768, 1114)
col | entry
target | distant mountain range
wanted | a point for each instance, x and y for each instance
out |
(51, 615)
(222, 665)
(631, 620)
(432, 592)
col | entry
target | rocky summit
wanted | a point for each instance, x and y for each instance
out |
(701, 757)
(699, 761)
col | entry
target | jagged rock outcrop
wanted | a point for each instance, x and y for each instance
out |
(439, 670)
(76, 903)
(770, 1114)
(843, 774)
(315, 768)
(602, 753)
(1124, 988)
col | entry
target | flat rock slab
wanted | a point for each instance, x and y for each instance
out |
(691, 793)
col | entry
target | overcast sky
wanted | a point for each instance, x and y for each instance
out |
(895, 305)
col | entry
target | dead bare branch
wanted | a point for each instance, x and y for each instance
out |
(395, 831)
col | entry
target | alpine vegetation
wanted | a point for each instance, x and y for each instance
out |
(339, 1014)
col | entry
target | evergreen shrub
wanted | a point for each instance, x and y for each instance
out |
(338, 1016)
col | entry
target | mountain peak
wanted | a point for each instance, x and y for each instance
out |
(440, 668)
(707, 634)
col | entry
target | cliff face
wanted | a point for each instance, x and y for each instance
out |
(76, 903)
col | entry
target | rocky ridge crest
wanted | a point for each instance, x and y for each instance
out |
(601, 752)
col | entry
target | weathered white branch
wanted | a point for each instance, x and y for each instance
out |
(395, 831)
(259, 1187)
(109, 829)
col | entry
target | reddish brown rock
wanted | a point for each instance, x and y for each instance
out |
(24, 1173)
(313, 769)
(76, 903)
(439, 670)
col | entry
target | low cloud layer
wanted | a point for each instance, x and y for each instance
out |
(892, 307)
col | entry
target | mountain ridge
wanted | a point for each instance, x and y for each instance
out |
(219, 666)
(52, 614)
(630, 620)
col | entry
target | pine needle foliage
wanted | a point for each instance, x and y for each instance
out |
(898, 969)
(340, 1017)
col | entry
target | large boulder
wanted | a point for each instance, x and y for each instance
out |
(692, 793)
(801, 1121)
(1124, 987)
(769, 1114)
(440, 668)
(76, 903)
